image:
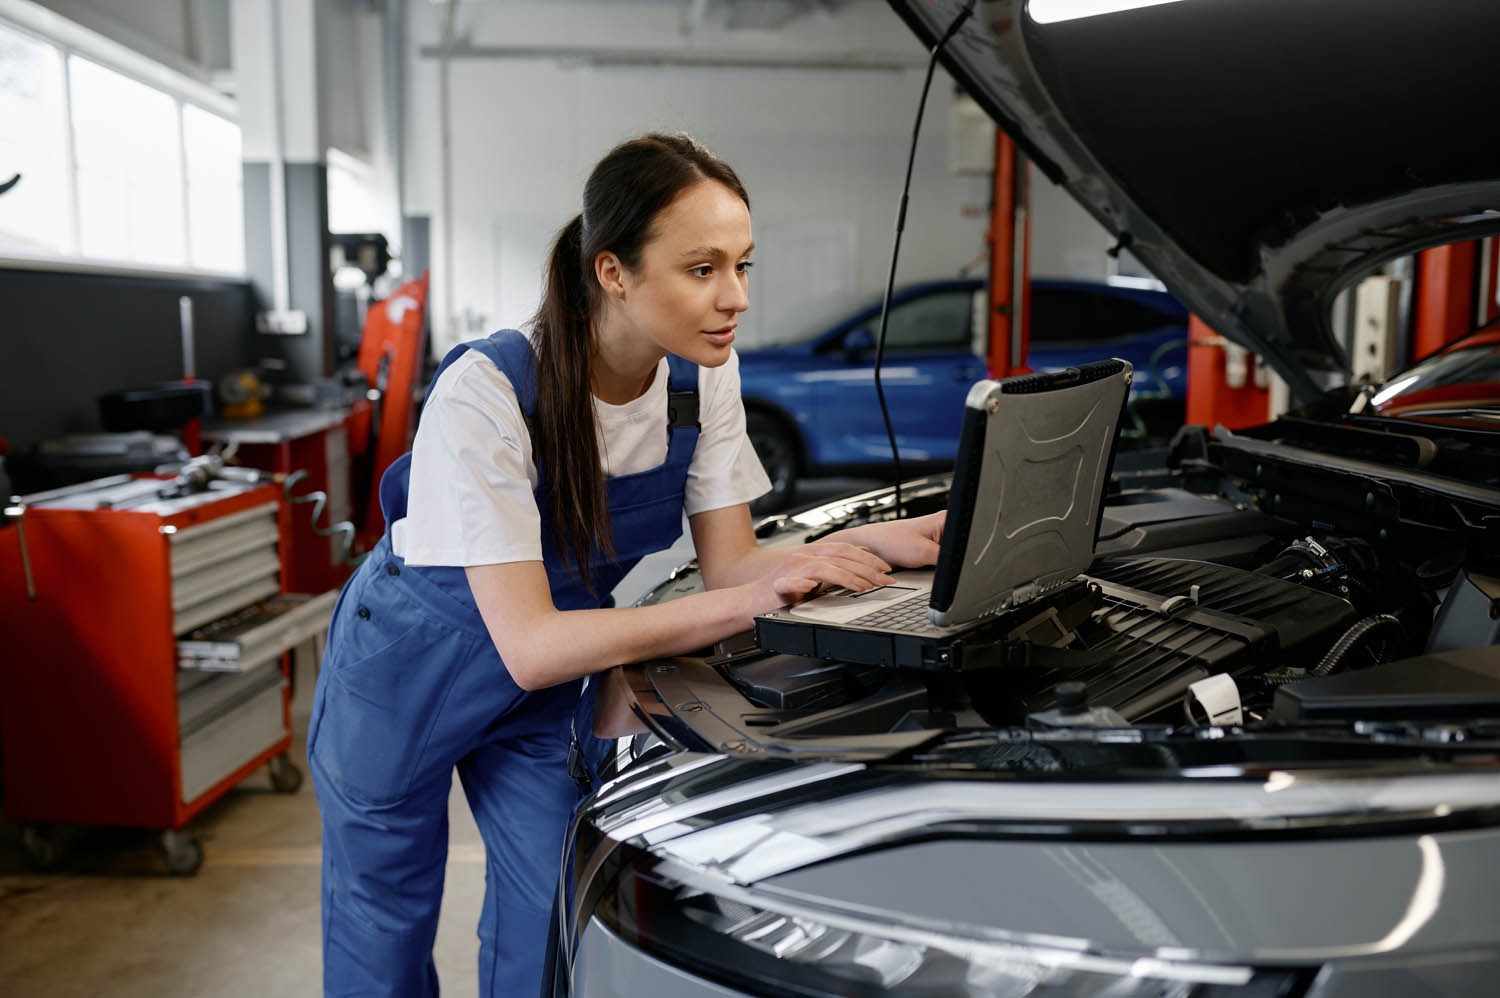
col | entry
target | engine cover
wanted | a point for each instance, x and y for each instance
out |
(1166, 623)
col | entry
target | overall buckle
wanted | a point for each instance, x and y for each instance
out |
(577, 768)
(682, 410)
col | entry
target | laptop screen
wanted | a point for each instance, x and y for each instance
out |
(1033, 465)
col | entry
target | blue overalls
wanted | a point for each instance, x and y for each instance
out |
(412, 688)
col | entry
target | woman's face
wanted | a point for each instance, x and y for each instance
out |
(688, 291)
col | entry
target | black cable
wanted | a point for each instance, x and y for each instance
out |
(890, 283)
(1352, 637)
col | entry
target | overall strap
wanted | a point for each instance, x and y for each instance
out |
(511, 352)
(508, 350)
(682, 408)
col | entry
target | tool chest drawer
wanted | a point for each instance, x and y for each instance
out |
(198, 547)
(223, 565)
(247, 638)
(225, 722)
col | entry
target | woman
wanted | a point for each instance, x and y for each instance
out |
(541, 473)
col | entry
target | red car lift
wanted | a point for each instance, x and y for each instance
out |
(390, 357)
(1009, 237)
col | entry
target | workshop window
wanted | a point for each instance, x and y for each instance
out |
(129, 154)
(214, 190)
(34, 215)
(1081, 315)
(113, 170)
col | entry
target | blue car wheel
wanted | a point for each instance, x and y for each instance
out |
(777, 451)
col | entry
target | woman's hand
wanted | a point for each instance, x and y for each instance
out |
(908, 543)
(824, 563)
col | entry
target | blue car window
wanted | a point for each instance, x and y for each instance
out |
(933, 322)
(1068, 315)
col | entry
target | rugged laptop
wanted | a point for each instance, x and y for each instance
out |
(1023, 515)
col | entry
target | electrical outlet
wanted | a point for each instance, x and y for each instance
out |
(285, 323)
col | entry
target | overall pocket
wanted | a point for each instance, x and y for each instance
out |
(383, 694)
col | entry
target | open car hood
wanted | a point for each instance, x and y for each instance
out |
(1259, 156)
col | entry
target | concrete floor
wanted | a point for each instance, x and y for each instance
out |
(113, 922)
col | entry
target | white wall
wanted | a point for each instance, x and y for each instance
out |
(821, 152)
(1065, 239)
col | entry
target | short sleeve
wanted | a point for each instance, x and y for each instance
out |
(472, 475)
(724, 471)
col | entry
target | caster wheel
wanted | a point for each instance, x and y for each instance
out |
(42, 847)
(286, 778)
(184, 854)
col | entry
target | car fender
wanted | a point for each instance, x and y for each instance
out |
(779, 413)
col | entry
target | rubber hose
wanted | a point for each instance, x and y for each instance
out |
(1353, 636)
(1163, 390)
(344, 529)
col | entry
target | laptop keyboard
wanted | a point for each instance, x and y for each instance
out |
(909, 614)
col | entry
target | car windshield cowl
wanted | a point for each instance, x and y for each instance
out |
(1154, 751)
(877, 718)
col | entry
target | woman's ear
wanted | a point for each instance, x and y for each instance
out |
(610, 273)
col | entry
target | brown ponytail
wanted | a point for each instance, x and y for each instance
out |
(625, 192)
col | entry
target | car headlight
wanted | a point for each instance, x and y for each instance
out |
(767, 944)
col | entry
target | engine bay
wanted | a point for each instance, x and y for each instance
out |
(1236, 589)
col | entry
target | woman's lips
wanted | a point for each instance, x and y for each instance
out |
(720, 337)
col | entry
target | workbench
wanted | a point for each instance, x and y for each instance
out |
(314, 441)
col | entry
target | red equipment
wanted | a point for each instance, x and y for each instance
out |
(390, 357)
(98, 584)
(1222, 385)
(1010, 262)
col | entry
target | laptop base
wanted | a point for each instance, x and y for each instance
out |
(994, 642)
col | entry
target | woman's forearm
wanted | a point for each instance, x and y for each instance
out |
(542, 646)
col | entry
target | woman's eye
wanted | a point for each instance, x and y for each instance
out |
(744, 266)
(703, 271)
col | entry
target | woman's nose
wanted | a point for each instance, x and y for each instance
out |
(732, 296)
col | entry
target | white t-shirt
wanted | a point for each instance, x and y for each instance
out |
(472, 473)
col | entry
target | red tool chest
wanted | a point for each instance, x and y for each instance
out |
(98, 723)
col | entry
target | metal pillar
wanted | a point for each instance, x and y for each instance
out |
(282, 123)
(1009, 238)
(1445, 297)
(1487, 307)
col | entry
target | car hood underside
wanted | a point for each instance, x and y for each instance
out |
(1259, 156)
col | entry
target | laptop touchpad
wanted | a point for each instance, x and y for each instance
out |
(880, 594)
(839, 606)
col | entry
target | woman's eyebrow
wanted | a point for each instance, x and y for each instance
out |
(712, 252)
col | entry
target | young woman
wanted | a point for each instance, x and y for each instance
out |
(542, 471)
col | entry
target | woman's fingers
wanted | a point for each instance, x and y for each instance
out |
(849, 552)
(839, 571)
(793, 588)
(823, 566)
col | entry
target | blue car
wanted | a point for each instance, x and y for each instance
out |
(811, 405)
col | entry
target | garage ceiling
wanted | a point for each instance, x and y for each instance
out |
(756, 15)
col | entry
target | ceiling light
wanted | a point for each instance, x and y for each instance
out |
(1051, 11)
